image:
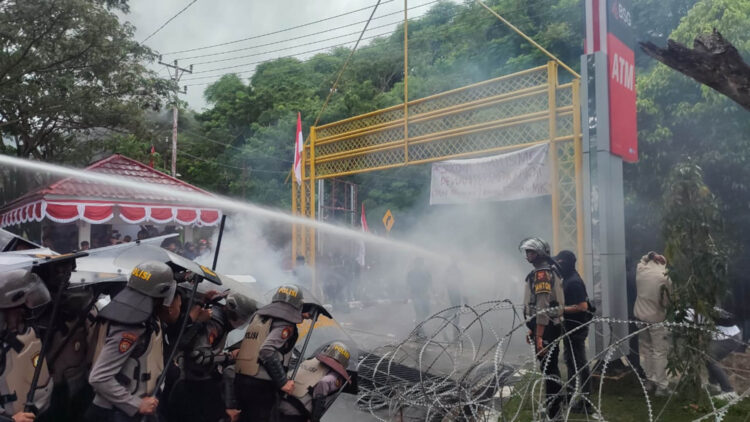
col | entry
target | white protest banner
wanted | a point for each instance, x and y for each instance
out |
(519, 174)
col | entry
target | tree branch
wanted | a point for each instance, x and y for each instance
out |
(713, 61)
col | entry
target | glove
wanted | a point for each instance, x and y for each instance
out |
(318, 408)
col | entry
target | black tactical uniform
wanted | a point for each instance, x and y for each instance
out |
(197, 395)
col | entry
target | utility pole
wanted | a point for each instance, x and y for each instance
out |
(175, 73)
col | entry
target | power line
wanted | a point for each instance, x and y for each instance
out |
(276, 51)
(307, 35)
(168, 20)
(415, 38)
(276, 58)
(290, 39)
(214, 162)
(213, 141)
(274, 32)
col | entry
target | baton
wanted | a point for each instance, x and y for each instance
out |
(304, 345)
(29, 406)
(173, 352)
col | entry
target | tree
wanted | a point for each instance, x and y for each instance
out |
(713, 61)
(697, 267)
(69, 70)
(677, 118)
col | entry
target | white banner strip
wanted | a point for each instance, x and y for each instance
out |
(519, 174)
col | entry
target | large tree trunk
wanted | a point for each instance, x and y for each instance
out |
(713, 61)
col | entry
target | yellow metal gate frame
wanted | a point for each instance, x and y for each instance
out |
(506, 113)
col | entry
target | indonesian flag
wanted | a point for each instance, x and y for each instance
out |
(365, 229)
(151, 162)
(299, 147)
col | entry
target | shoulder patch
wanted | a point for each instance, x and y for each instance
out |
(542, 282)
(286, 332)
(338, 382)
(35, 360)
(127, 341)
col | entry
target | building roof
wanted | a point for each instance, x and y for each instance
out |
(70, 192)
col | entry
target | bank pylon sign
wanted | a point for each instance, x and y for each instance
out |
(609, 29)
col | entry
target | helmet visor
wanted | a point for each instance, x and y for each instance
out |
(37, 296)
(169, 296)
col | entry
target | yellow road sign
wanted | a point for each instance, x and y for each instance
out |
(388, 220)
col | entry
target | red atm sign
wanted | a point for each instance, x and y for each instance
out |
(609, 28)
(623, 130)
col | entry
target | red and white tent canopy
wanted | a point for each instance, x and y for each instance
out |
(70, 199)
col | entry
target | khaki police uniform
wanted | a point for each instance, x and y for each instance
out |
(544, 303)
(263, 359)
(128, 364)
(20, 358)
(313, 380)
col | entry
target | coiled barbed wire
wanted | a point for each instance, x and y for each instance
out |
(456, 366)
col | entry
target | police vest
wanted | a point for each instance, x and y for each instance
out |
(541, 281)
(18, 371)
(145, 363)
(247, 358)
(309, 374)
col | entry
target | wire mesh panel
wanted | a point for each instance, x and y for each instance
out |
(513, 111)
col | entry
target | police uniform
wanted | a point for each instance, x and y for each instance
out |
(544, 303)
(129, 356)
(197, 395)
(265, 352)
(315, 385)
(21, 345)
(70, 355)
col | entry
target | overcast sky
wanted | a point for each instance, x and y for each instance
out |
(210, 22)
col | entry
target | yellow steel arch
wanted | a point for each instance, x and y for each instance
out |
(509, 112)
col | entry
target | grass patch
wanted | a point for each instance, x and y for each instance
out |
(623, 401)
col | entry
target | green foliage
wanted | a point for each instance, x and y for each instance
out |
(70, 71)
(451, 45)
(698, 267)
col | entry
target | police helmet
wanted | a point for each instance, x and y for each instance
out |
(535, 244)
(239, 308)
(338, 352)
(289, 293)
(154, 279)
(22, 288)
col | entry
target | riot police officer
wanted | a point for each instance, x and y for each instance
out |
(196, 396)
(22, 294)
(543, 307)
(316, 384)
(130, 353)
(264, 354)
(69, 353)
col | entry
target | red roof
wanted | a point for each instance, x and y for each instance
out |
(71, 199)
(115, 165)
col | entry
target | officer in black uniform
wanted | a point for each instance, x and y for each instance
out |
(69, 353)
(129, 356)
(576, 313)
(197, 395)
(21, 294)
(543, 306)
(316, 385)
(264, 354)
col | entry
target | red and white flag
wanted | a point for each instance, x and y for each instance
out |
(299, 147)
(151, 162)
(363, 224)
